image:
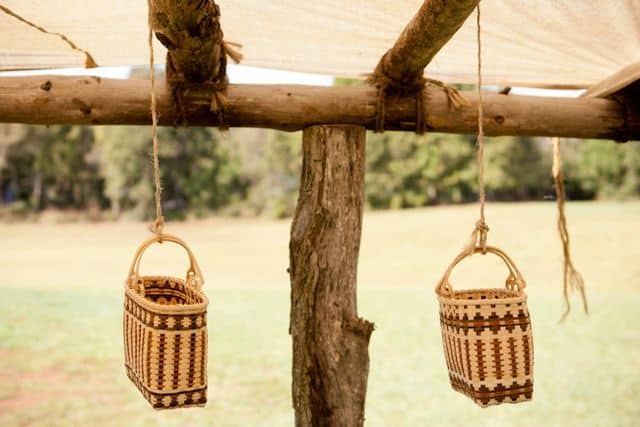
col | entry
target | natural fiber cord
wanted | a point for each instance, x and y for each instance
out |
(572, 279)
(479, 234)
(158, 225)
(89, 62)
(480, 120)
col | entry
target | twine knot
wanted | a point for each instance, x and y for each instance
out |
(157, 227)
(479, 237)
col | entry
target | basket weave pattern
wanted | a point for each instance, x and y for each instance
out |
(487, 340)
(165, 337)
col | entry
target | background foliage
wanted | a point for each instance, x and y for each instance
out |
(106, 171)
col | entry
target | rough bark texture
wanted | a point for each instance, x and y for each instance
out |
(52, 100)
(423, 37)
(196, 51)
(330, 341)
(190, 30)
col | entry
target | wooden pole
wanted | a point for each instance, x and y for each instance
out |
(423, 37)
(330, 341)
(49, 100)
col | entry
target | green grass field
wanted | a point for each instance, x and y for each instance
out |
(61, 356)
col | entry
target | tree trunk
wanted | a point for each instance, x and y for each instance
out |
(330, 341)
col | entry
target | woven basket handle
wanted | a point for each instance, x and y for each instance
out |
(514, 281)
(194, 275)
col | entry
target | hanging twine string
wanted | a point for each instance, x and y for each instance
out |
(479, 234)
(89, 62)
(572, 279)
(158, 225)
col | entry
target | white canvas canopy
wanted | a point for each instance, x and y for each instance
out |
(544, 43)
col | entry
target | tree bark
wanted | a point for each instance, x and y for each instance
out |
(191, 32)
(423, 37)
(330, 341)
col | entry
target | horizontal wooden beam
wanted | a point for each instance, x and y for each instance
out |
(430, 29)
(50, 100)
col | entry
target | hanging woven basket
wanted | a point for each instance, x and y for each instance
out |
(165, 333)
(486, 335)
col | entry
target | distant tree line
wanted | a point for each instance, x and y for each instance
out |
(107, 170)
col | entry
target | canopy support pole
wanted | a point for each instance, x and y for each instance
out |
(49, 100)
(423, 37)
(330, 341)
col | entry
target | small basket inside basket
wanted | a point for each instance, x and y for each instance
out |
(486, 336)
(165, 334)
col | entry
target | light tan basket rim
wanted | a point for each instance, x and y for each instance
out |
(164, 308)
(451, 300)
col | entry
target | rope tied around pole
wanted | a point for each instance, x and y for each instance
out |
(572, 279)
(157, 227)
(415, 86)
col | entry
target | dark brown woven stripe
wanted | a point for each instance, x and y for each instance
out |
(129, 338)
(148, 377)
(513, 357)
(203, 362)
(176, 360)
(192, 358)
(497, 358)
(450, 356)
(466, 350)
(124, 335)
(447, 353)
(148, 317)
(161, 354)
(479, 323)
(132, 332)
(480, 354)
(142, 348)
(132, 325)
(136, 346)
(125, 330)
(458, 355)
(465, 369)
(527, 354)
(454, 357)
